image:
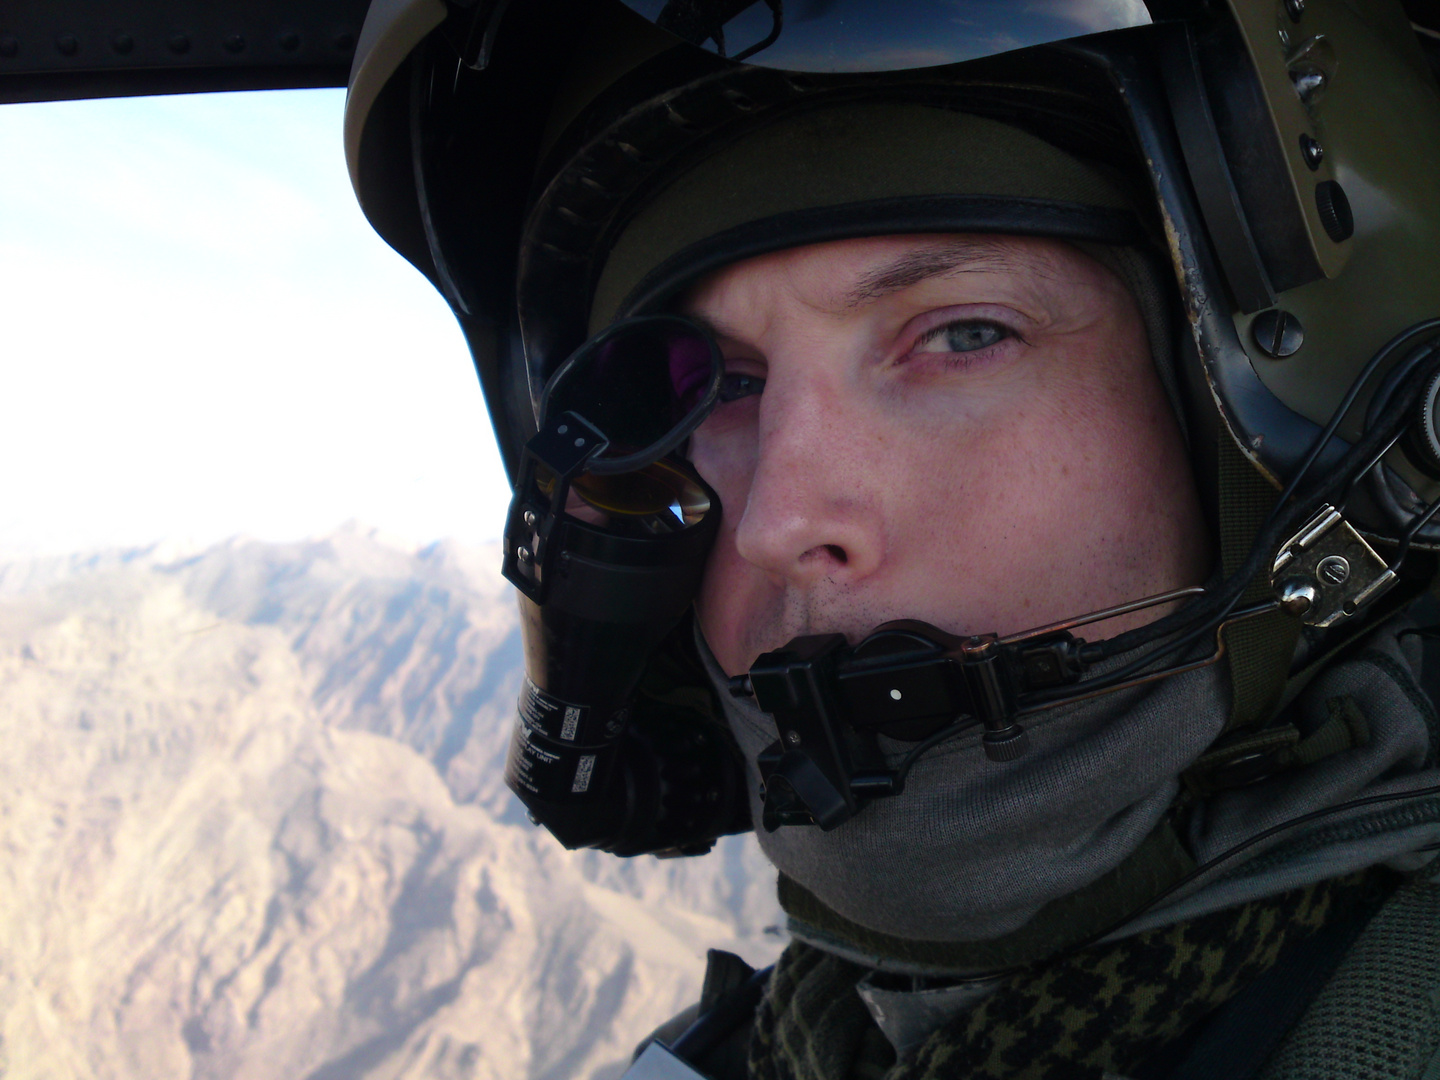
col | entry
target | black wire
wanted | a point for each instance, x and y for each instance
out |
(1356, 385)
(1405, 541)
(1396, 378)
(1207, 613)
(903, 770)
(1374, 460)
(1203, 615)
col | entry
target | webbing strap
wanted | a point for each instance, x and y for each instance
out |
(1248, 756)
(1259, 650)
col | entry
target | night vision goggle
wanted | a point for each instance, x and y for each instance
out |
(607, 539)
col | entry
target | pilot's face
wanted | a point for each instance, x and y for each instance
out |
(967, 430)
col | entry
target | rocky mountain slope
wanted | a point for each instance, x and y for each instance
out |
(252, 825)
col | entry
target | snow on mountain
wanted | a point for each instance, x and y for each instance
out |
(252, 826)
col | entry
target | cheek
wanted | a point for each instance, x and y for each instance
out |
(725, 455)
(724, 451)
(731, 604)
(1072, 493)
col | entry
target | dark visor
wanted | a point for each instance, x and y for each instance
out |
(881, 35)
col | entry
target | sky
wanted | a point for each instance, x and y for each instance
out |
(200, 336)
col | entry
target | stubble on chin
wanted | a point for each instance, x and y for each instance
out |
(739, 632)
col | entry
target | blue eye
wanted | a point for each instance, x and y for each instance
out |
(962, 337)
(735, 387)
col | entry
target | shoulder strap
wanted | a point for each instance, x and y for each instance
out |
(1259, 650)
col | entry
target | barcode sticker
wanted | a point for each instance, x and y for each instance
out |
(582, 774)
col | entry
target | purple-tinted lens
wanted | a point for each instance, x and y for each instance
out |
(641, 383)
(690, 370)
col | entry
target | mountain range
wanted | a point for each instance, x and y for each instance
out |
(252, 824)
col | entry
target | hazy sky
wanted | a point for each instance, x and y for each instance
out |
(200, 335)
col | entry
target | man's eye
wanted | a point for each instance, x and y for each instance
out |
(735, 387)
(962, 337)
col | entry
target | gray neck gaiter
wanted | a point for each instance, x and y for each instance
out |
(973, 849)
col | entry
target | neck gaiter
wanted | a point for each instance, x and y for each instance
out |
(973, 849)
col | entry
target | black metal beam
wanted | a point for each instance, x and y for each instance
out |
(56, 49)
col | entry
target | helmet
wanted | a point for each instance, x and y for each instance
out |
(1279, 155)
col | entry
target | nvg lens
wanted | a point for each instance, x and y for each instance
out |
(661, 485)
(646, 383)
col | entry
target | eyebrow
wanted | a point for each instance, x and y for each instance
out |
(961, 255)
(704, 322)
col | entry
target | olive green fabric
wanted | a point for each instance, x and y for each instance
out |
(1156, 864)
(837, 156)
(1282, 747)
(1108, 1008)
(1258, 650)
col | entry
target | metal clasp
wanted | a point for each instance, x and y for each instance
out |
(1327, 572)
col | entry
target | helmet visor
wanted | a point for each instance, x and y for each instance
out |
(881, 35)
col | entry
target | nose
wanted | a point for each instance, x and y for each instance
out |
(815, 508)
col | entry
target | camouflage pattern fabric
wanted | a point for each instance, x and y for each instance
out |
(1107, 1008)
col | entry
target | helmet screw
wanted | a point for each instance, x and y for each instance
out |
(1297, 596)
(522, 554)
(1333, 570)
(1295, 8)
(792, 738)
(530, 519)
(1278, 333)
(1311, 151)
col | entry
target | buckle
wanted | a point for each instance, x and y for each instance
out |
(1327, 572)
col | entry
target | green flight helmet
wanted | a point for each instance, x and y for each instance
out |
(556, 166)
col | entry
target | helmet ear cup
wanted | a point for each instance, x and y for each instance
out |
(1422, 439)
